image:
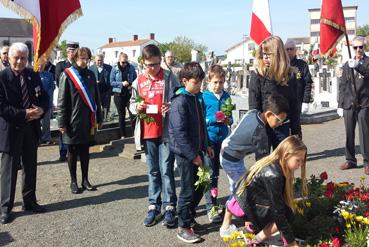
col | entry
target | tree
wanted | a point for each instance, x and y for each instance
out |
(62, 47)
(363, 30)
(182, 46)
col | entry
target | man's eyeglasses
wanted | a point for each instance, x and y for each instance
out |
(5, 53)
(356, 47)
(290, 49)
(151, 64)
(280, 120)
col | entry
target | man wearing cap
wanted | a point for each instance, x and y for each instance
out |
(170, 64)
(59, 69)
(4, 57)
(303, 76)
(22, 104)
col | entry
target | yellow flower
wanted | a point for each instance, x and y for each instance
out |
(300, 211)
(351, 216)
(344, 214)
(249, 235)
(366, 220)
(308, 204)
(225, 240)
(359, 218)
(348, 225)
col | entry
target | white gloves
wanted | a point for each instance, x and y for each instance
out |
(304, 107)
(352, 63)
(340, 112)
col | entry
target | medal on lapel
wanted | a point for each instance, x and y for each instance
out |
(38, 91)
(298, 75)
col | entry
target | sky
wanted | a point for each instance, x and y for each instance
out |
(217, 24)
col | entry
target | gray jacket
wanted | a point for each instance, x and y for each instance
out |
(249, 136)
(170, 83)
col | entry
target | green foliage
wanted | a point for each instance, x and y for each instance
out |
(62, 47)
(363, 30)
(143, 116)
(182, 46)
(204, 180)
(228, 107)
(356, 237)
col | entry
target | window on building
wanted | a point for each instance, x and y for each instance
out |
(352, 32)
(251, 46)
(350, 19)
(314, 21)
(133, 53)
(314, 34)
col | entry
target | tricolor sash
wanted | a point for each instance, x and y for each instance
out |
(84, 93)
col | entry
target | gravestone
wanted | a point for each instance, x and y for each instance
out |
(325, 82)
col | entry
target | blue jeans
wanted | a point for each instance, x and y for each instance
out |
(214, 165)
(188, 198)
(62, 147)
(234, 171)
(160, 162)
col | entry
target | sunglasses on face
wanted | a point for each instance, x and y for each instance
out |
(290, 49)
(356, 47)
(280, 120)
(124, 62)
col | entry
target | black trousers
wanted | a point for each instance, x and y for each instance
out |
(121, 102)
(83, 152)
(26, 149)
(361, 117)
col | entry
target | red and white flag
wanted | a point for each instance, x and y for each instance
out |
(49, 19)
(261, 26)
(332, 25)
(315, 52)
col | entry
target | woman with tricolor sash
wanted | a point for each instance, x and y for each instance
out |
(79, 116)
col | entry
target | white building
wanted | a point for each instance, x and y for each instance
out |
(132, 48)
(241, 52)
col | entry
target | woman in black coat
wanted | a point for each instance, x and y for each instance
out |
(79, 115)
(274, 74)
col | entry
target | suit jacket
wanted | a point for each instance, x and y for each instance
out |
(104, 78)
(12, 113)
(346, 94)
(2, 66)
(59, 69)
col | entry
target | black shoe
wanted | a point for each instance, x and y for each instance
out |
(63, 159)
(4, 218)
(74, 188)
(34, 207)
(87, 186)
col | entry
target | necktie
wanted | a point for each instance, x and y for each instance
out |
(25, 95)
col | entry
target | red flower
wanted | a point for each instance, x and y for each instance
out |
(336, 242)
(324, 176)
(328, 194)
(219, 116)
(366, 214)
(331, 186)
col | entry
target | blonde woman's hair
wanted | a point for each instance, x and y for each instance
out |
(280, 69)
(290, 146)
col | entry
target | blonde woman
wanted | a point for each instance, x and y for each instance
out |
(264, 195)
(274, 74)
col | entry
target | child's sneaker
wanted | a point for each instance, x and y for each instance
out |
(214, 216)
(226, 232)
(169, 217)
(153, 216)
(187, 235)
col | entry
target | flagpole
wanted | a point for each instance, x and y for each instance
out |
(356, 102)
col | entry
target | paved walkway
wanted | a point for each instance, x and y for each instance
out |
(113, 215)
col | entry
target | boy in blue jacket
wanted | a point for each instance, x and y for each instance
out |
(188, 140)
(218, 128)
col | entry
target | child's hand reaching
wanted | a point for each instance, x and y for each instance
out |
(210, 152)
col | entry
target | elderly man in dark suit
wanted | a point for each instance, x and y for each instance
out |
(353, 104)
(102, 75)
(22, 104)
(59, 69)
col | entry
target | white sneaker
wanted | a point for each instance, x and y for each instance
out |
(226, 232)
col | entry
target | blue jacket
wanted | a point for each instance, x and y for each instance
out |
(217, 131)
(116, 78)
(47, 80)
(186, 123)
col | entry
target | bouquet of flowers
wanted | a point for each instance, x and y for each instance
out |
(143, 116)
(225, 110)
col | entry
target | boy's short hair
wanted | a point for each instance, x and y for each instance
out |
(216, 70)
(276, 103)
(150, 51)
(192, 70)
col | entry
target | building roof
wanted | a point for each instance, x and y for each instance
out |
(238, 44)
(126, 43)
(13, 27)
(299, 40)
(344, 7)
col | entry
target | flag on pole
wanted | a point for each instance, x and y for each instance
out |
(332, 25)
(261, 26)
(49, 19)
(315, 52)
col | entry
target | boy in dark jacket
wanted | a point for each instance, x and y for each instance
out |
(188, 140)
